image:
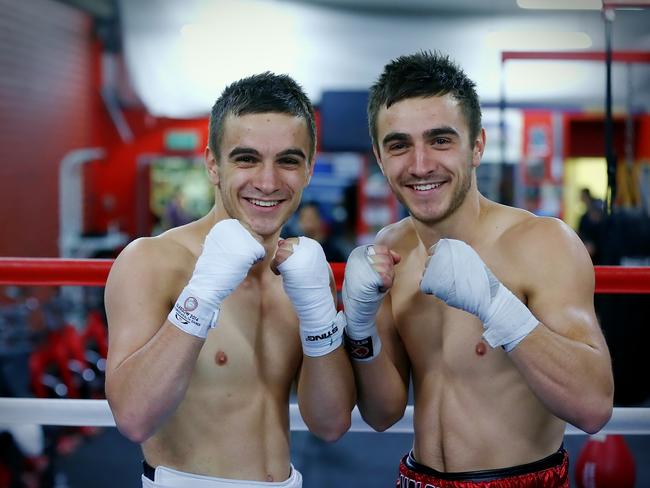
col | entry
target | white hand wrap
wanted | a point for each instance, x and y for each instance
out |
(229, 251)
(361, 301)
(457, 275)
(306, 280)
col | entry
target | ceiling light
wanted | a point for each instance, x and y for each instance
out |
(538, 40)
(561, 4)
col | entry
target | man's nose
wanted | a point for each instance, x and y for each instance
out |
(422, 162)
(267, 178)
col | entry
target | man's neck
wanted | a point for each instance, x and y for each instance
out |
(462, 224)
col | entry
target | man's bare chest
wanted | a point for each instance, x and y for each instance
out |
(256, 340)
(437, 336)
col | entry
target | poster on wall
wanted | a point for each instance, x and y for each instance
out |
(180, 192)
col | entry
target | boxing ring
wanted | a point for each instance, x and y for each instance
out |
(89, 413)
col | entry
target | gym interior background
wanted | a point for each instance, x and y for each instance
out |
(103, 121)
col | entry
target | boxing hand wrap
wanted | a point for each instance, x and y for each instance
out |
(361, 301)
(457, 275)
(306, 280)
(229, 251)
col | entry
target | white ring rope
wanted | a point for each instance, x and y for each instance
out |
(631, 421)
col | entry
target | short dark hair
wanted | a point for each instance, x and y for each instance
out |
(261, 93)
(424, 74)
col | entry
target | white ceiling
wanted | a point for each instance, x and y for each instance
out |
(180, 54)
(422, 6)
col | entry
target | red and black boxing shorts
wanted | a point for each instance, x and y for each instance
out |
(550, 472)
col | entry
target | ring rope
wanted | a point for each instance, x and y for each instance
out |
(629, 421)
(93, 272)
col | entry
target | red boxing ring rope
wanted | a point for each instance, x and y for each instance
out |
(93, 272)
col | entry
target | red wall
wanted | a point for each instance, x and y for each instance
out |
(585, 136)
(111, 184)
(46, 109)
(643, 137)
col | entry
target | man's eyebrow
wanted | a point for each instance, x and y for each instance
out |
(292, 151)
(243, 150)
(440, 131)
(395, 136)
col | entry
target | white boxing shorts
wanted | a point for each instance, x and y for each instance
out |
(164, 477)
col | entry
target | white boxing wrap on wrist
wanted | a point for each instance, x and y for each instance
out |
(361, 301)
(229, 251)
(306, 280)
(457, 275)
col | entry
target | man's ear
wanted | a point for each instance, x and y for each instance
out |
(479, 147)
(212, 166)
(378, 158)
(312, 163)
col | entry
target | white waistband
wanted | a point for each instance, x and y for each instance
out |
(171, 478)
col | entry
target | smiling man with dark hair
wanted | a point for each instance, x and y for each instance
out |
(487, 309)
(212, 322)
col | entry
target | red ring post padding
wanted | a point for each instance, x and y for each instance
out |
(93, 272)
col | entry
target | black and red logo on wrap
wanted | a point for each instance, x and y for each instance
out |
(359, 348)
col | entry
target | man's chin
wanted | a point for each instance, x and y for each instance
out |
(429, 216)
(265, 228)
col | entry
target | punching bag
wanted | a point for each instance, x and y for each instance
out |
(605, 461)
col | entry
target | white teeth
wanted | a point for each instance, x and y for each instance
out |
(429, 186)
(264, 203)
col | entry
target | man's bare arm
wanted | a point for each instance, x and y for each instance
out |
(149, 359)
(153, 358)
(379, 360)
(565, 360)
(383, 382)
(325, 384)
(326, 394)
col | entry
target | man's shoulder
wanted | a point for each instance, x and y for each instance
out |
(529, 229)
(166, 252)
(503, 221)
(525, 234)
(398, 235)
(168, 244)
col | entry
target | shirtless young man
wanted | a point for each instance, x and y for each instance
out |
(487, 308)
(204, 341)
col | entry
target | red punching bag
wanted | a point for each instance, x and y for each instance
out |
(605, 461)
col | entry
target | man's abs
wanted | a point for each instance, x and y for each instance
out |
(459, 431)
(250, 442)
(233, 420)
(473, 409)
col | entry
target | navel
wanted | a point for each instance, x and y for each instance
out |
(269, 477)
(481, 348)
(220, 358)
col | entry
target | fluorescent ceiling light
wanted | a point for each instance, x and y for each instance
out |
(561, 4)
(538, 40)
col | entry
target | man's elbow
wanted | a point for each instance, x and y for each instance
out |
(332, 430)
(593, 419)
(131, 422)
(133, 428)
(380, 423)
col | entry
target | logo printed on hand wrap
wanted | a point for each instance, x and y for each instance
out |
(359, 348)
(181, 318)
(183, 313)
(190, 304)
(325, 335)
(185, 316)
